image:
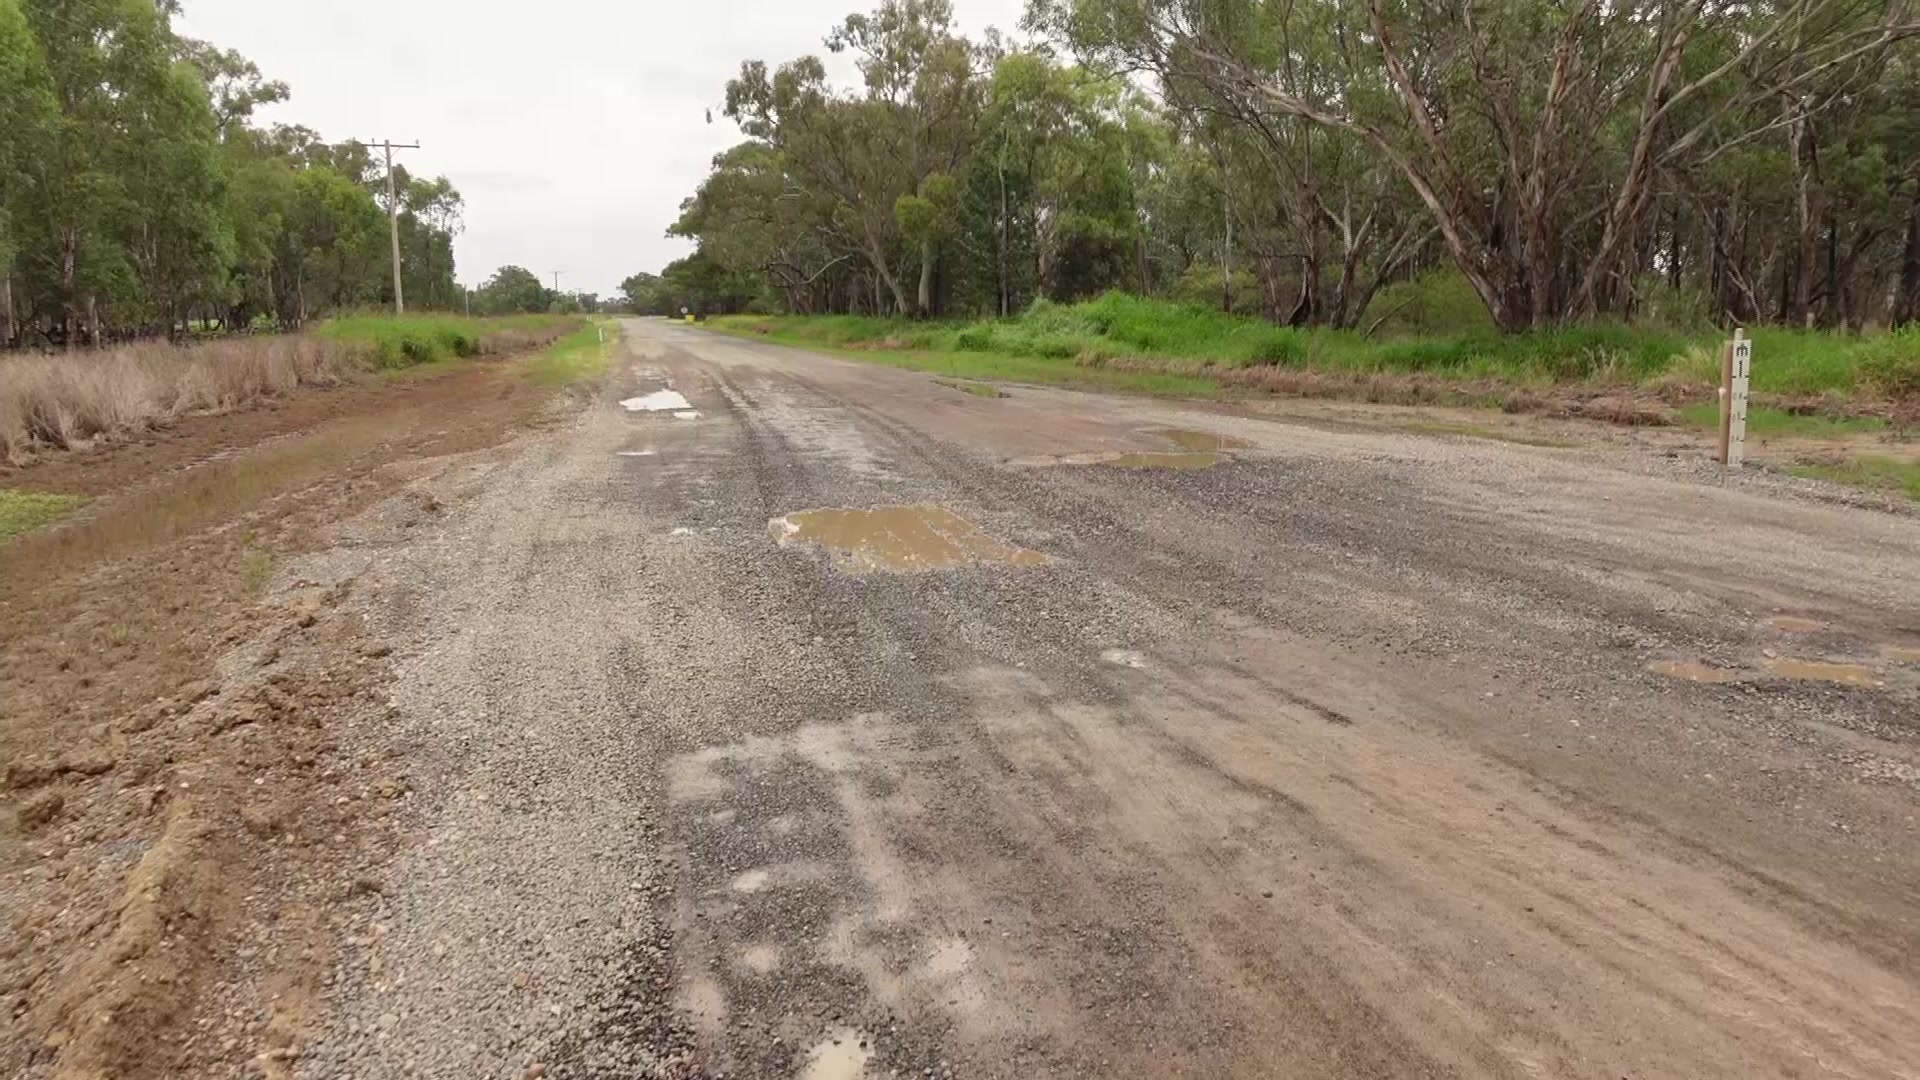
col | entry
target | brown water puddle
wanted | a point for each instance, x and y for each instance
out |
(1822, 671)
(1795, 624)
(899, 538)
(1693, 671)
(1902, 654)
(1200, 442)
(1151, 460)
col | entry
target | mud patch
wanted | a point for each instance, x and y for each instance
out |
(1823, 671)
(1796, 624)
(1902, 654)
(1694, 671)
(898, 538)
(1200, 442)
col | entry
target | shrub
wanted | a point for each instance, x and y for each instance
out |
(1278, 345)
(974, 339)
(1892, 365)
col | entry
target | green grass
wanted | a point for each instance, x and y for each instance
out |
(1046, 342)
(580, 357)
(1876, 473)
(400, 341)
(22, 511)
(1781, 423)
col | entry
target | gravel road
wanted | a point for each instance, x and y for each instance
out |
(1136, 739)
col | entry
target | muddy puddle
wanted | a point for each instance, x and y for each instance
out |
(1902, 654)
(1796, 624)
(899, 539)
(1150, 460)
(1822, 671)
(1693, 671)
(1199, 442)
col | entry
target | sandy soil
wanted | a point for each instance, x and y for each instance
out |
(1344, 752)
(861, 725)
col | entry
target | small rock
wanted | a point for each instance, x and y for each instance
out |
(534, 1072)
(26, 774)
(377, 649)
(39, 809)
(88, 761)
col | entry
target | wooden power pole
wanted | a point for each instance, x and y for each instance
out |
(393, 219)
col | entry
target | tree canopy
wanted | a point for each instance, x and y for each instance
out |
(137, 192)
(1563, 159)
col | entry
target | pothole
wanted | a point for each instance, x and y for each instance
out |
(898, 538)
(841, 1056)
(1202, 442)
(658, 401)
(1152, 460)
(1823, 671)
(1694, 671)
(1133, 459)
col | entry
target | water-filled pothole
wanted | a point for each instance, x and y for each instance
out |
(1200, 442)
(1154, 460)
(1822, 671)
(899, 538)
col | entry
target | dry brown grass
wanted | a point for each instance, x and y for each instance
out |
(59, 402)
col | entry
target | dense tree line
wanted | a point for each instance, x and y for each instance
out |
(1686, 160)
(138, 196)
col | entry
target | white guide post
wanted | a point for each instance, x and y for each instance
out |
(1737, 405)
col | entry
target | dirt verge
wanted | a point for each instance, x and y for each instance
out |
(183, 808)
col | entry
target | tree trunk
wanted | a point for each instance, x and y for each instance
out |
(6, 311)
(1906, 304)
(923, 299)
(69, 268)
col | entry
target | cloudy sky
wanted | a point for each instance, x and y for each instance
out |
(573, 127)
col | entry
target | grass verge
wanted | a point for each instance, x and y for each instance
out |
(62, 402)
(581, 357)
(1871, 472)
(395, 341)
(23, 511)
(1784, 424)
(1049, 340)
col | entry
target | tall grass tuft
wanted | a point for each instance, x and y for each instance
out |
(61, 401)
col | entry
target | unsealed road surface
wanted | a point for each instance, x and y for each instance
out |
(1123, 738)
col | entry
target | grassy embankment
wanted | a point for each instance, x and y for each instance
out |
(53, 403)
(1806, 383)
(579, 358)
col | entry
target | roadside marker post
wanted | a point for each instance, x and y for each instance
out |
(1736, 378)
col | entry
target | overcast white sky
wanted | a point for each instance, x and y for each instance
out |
(573, 127)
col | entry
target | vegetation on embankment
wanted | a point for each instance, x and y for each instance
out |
(391, 341)
(58, 401)
(581, 357)
(1121, 334)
